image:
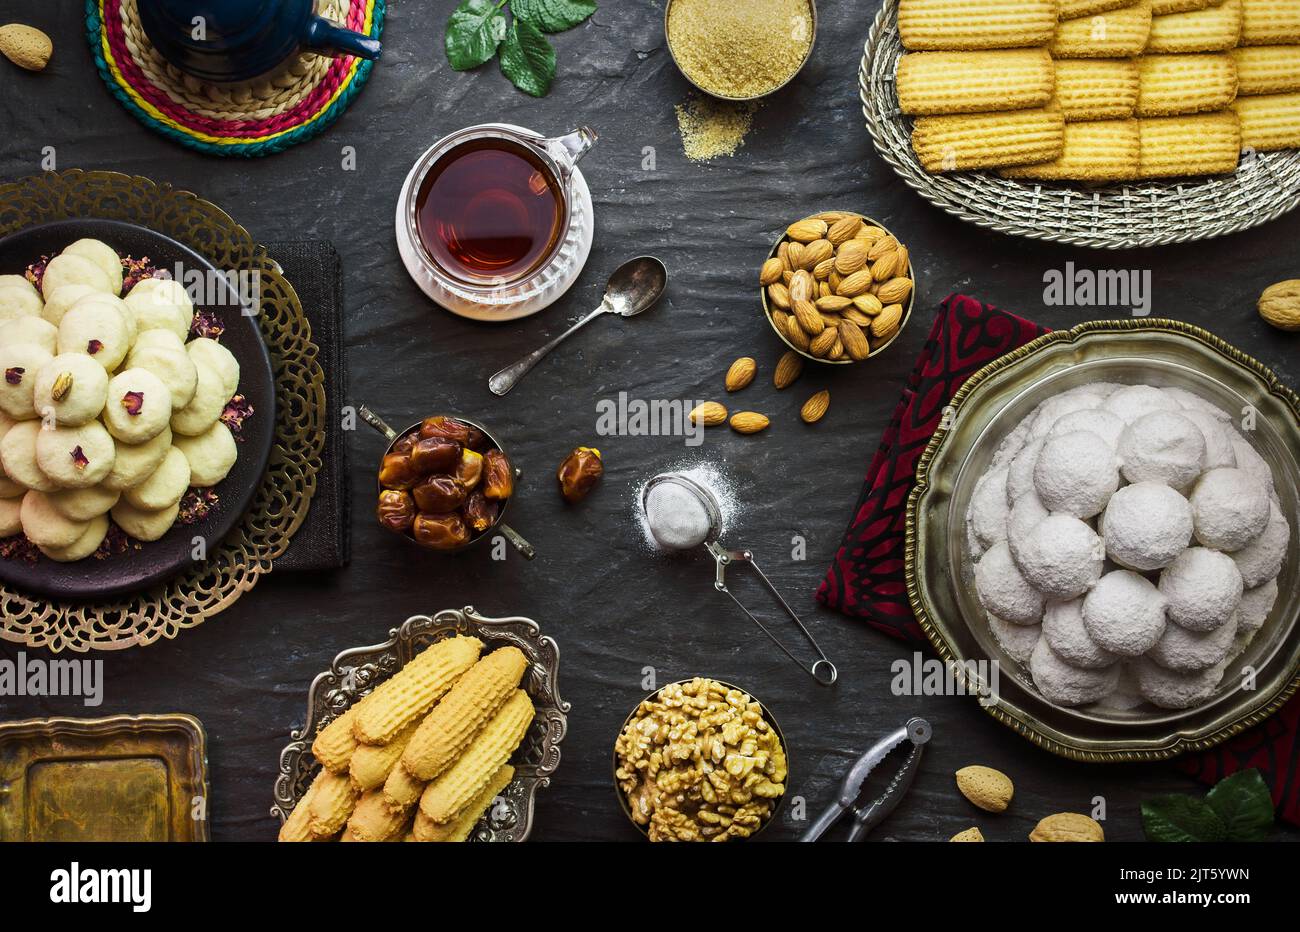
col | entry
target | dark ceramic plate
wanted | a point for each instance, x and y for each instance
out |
(157, 561)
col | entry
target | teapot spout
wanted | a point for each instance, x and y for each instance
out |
(568, 150)
(329, 38)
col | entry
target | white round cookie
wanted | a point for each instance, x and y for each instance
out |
(1218, 439)
(144, 525)
(1146, 525)
(173, 366)
(83, 546)
(19, 364)
(1068, 637)
(18, 454)
(1061, 557)
(1203, 588)
(34, 330)
(8, 487)
(1099, 421)
(84, 504)
(205, 351)
(61, 301)
(96, 330)
(988, 508)
(1190, 401)
(1076, 473)
(205, 407)
(1261, 559)
(1163, 446)
(162, 338)
(117, 306)
(1248, 458)
(1064, 684)
(1185, 651)
(104, 256)
(81, 398)
(1124, 613)
(165, 486)
(1230, 508)
(11, 521)
(1020, 474)
(1133, 401)
(1171, 690)
(161, 303)
(1004, 591)
(15, 303)
(45, 526)
(18, 281)
(138, 406)
(1017, 640)
(134, 463)
(1255, 605)
(76, 457)
(1053, 409)
(213, 452)
(1025, 515)
(68, 269)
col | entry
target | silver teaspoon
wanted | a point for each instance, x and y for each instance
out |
(634, 287)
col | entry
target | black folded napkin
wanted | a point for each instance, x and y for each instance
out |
(316, 274)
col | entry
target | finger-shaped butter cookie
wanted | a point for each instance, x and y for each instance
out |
(1096, 88)
(1213, 29)
(974, 82)
(969, 25)
(1102, 151)
(1203, 144)
(1175, 84)
(988, 140)
(1270, 121)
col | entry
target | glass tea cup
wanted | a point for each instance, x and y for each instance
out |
(487, 209)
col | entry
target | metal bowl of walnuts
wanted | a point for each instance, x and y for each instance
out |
(700, 760)
(837, 287)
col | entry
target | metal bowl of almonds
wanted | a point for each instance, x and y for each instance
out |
(837, 287)
(700, 760)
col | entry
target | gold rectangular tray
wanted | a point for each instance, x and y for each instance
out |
(121, 778)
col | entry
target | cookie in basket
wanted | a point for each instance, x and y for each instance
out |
(1096, 88)
(969, 25)
(1269, 121)
(1099, 151)
(1202, 144)
(1120, 33)
(1175, 84)
(932, 83)
(1213, 29)
(988, 140)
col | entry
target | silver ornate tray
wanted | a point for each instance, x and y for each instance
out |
(357, 671)
(939, 571)
(1147, 213)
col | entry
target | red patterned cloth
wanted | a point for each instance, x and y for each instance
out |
(865, 580)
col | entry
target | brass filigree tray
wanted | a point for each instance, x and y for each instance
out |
(355, 672)
(285, 492)
(939, 570)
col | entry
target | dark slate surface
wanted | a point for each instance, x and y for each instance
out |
(613, 610)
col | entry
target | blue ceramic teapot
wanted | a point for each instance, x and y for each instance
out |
(237, 40)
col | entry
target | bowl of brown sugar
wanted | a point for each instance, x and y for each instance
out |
(740, 51)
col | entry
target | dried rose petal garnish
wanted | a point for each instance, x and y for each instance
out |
(238, 409)
(135, 271)
(197, 505)
(14, 375)
(35, 272)
(79, 457)
(115, 541)
(94, 346)
(18, 547)
(207, 324)
(133, 402)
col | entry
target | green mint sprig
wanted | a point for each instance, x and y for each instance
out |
(477, 30)
(1237, 808)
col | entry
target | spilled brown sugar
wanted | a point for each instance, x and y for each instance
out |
(711, 129)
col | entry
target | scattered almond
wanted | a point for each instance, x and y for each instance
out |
(971, 834)
(1279, 305)
(987, 788)
(788, 369)
(26, 46)
(1068, 826)
(748, 422)
(741, 373)
(710, 414)
(814, 409)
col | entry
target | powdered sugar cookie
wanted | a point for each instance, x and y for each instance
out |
(19, 364)
(162, 303)
(1125, 696)
(1004, 591)
(165, 486)
(75, 457)
(59, 302)
(1248, 458)
(104, 256)
(1133, 401)
(17, 302)
(96, 330)
(1185, 651)
(144, 525)
(1061, 557)
(1076, 473)
(34, 330)
(70, 389)
(1218, 439)
(1099, 421)
(139, 406)
(18, 454)
(1190, 401)
(83, 504)
(1124, 613)
(172, 366)
(210, 454)
(206, 352)
(1025, 515)
(134, 463)
(1056, 407)
(1069, 638)
(205, 407)
(1067, 685)
(988, 508)
(1170, 690)
(1230, 508)
(11, 521)
(1261, 559)
(1255, 606)
(68, 269)
(83, 546)
(1146, 525)
(1017, 640)
(1020, 474)
(1162, 446)
(45, 526)
(1203, 589)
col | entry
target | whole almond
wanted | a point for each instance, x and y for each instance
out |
(1068, 826)
(741, 373)
(821, 344)
(779, 319)
(779, 296)
(797, 336)
(809, 319)
(904, 262)
(869, 234)
(710, 414)
(1279, 305)
(834, 304)
(894, 290)
(831, 320)
(880, 247)
(794, 254)
(971, 834)
(855, 284)
(771, 272)
(854, 340)
(859, 318)
(884, 324)
(851, 257)
(824, 290)
(837, 348)
(835, 279)
(26, 46)
(817, 251)
(801, 286)
(885, 268)
(748, 422)
(822, 270)
(843, 230)
(814, 409)
(783, 253)
(987, 788)
(805, 231)
(868, 304)
(788, 369)
(830, 216)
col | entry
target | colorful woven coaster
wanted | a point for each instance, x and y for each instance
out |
(249, 119)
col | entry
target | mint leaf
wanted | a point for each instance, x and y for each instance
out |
(1244, 804)
(553, 15)
(473, 33)
(1181, 818)
(527, 59)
